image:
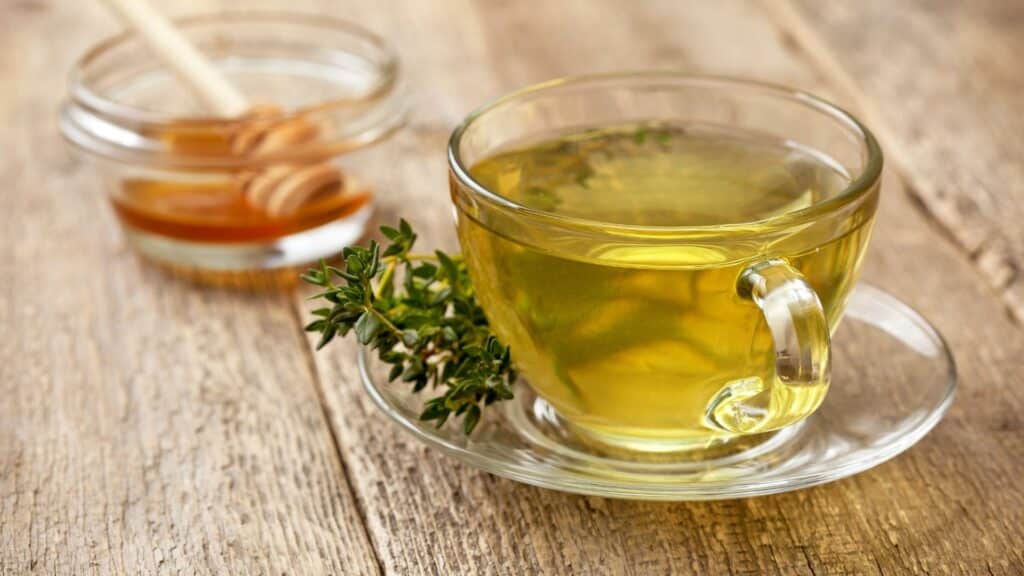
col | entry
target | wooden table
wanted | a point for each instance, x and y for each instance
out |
(151, 426)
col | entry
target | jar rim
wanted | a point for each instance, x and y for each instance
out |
(859, 186)
(85, 108)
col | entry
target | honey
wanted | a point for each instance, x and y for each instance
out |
(219, 211)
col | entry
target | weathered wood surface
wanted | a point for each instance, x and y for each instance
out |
(147, 426)
(944, 83)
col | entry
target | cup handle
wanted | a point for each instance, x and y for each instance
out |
(803, 352)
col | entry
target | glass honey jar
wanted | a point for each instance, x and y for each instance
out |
(276, 187)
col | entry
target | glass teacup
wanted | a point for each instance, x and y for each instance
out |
(667, 255)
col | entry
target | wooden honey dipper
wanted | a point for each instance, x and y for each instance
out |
(281, 190)
(278, 190)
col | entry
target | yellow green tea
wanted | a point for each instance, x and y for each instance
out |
(627, 328)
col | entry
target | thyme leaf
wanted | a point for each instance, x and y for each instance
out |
(420, 314)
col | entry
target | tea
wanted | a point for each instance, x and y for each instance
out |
(630, 334)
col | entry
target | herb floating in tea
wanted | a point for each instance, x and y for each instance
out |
(427, 326)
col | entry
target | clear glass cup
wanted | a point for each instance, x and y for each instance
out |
(761, 297)
(173, 176)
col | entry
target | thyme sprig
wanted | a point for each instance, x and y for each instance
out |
(420, 314)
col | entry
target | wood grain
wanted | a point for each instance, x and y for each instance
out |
(943, 82)
(147, 426)
(949, 506)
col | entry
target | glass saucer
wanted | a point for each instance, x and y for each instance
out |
(893, 379)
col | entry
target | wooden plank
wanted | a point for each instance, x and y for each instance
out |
(951, 505)
(147, 426)
(943, 84)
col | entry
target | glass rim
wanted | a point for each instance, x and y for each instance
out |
(82, 94)
(860, 184)
(85, 104)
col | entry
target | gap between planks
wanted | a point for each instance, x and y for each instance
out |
(308, 350)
